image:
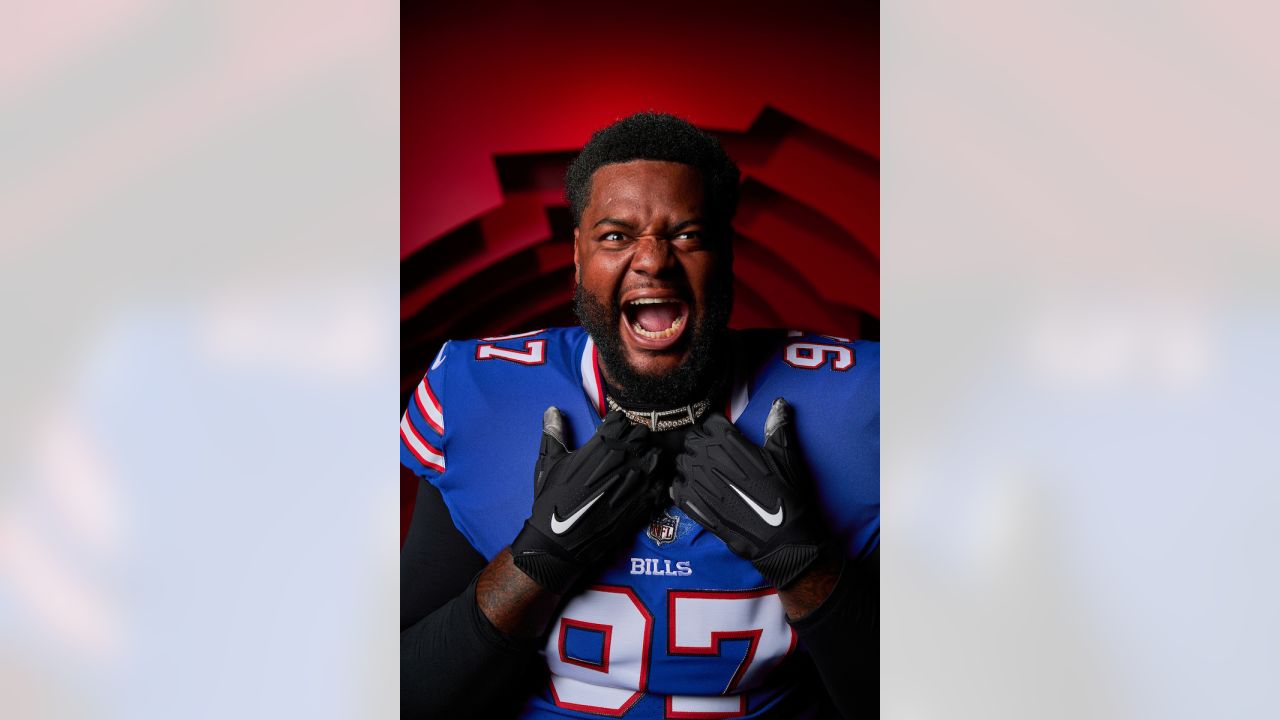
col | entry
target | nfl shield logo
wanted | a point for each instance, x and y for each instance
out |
(662, 529)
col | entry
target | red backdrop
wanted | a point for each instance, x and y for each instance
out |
(495, 101)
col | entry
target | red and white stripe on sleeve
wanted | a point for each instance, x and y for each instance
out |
(422, 449)
(422, 429)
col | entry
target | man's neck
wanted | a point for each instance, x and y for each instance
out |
(712, 389)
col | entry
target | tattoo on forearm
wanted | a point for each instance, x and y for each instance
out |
(810, 590)
(513, 602)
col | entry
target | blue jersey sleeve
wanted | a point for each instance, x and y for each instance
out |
(422, 446)
(833, 385)
(478, 413)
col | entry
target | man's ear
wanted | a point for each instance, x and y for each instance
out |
(577, 263)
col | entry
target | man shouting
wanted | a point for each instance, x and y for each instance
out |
(650, 515)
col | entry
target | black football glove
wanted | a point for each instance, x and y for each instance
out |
(585, 502)
(758, 500)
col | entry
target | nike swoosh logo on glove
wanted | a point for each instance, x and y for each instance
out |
(774, 519)
(559, 526)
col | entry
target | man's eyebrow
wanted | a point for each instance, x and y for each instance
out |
(686, 223)
(614, 221)
(623, 223)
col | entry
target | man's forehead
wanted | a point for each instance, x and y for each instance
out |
(646, 182)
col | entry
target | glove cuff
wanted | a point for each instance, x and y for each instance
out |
(536, 558)
(782, 566)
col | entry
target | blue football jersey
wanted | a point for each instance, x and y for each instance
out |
(674, 625)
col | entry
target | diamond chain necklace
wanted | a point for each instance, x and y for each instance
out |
(659, 420)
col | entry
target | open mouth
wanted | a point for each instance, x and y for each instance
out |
(655, 323)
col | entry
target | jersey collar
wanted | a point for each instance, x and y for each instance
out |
(593, 383)
(589, 370)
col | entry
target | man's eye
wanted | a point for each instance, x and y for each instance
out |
(614, 236)
(690, 235)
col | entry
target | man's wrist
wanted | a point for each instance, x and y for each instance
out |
(812, 587)
(512, 601)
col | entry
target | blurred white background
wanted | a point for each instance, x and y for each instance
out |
(198, 266)
(1080, 324)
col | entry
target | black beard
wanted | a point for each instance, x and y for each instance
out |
(693, 380)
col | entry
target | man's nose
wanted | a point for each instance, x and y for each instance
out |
(653, 255)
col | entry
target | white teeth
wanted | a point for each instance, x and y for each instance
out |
(659, 334)
(675, 328)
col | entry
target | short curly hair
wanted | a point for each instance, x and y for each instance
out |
(657, 136)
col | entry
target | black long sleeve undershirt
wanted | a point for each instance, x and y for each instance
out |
(453, 661)
(842, 636)
(436, 561)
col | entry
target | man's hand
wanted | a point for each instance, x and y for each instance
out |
(759, 501)
(585, 502)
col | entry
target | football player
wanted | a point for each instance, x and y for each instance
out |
(650, 515)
